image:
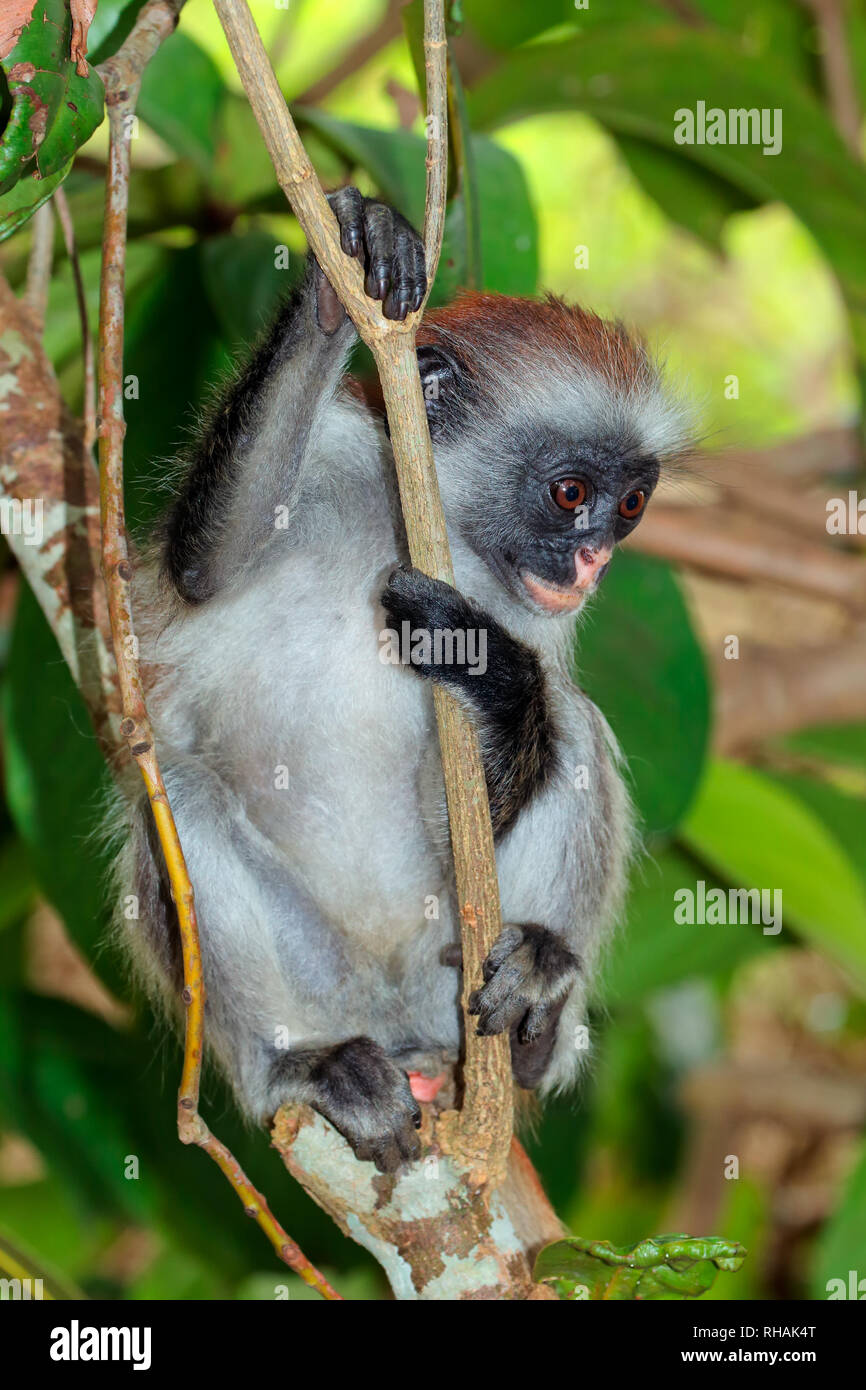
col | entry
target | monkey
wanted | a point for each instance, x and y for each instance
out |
(300, 754)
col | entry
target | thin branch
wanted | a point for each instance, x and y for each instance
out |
(481, 1133)
(357, 56)
(840, 83)
(122, 77)
(68, 229)
(40, 262)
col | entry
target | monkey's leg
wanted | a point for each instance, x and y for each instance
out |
(361, 1090)
(245, 469)
(290, 1000)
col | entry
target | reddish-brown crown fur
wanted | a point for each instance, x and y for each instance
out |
(500, 327)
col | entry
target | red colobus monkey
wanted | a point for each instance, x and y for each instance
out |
(301, 756)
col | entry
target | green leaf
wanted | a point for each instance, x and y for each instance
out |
(688, 194)
(181, 94)
(639, 659)
(841, 1244)
(54, 111)
(55, 781)
(660, 1267)
(243, 283)
(112, 23)
(757, 835)
(633, 79)
(19, 204)
(653, 951)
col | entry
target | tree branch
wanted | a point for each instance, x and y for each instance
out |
(479, 1137)
(122, 77)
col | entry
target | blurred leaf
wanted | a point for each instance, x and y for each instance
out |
(654, 951)
(17, 883)
(181, 93)
(839, 745)
(639, 659)
(53, 109)
(20, 203)
(111, 24)
(244, 285)
(757, 835)
(19, 1263)
(685, 192)
(55, 780)
(394, 159)
(505, 26)
(660, 1267)
(840, 1247)
(633, 80)
(842, 814)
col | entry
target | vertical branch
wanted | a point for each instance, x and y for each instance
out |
(122, 78)
(839, 79)
(65, 219)
(39, 264)
(480, 1135)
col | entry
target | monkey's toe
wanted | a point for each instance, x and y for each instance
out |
(527, 975)
(367, 1097)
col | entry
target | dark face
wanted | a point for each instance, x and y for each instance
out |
(551, 527)
(547, 506)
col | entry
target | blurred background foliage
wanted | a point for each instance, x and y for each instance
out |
(711, 1043)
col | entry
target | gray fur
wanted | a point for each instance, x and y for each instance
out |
(311, 900)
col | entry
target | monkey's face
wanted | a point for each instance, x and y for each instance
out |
(549, 526)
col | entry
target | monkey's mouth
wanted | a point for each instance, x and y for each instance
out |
(551, 597)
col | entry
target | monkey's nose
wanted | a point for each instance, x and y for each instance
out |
(590, 563)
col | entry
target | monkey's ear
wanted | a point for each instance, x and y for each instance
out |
(447, 387)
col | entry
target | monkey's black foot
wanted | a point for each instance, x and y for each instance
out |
(367, 1098)
(389, 248)
(527, 976)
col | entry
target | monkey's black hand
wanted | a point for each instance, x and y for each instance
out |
(367, 1098)
(527, 976)
(389, 248)
(458, 631)
(455, 642)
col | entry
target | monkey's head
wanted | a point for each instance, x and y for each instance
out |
(550, 427)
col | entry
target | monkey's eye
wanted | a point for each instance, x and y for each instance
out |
(632, 505)
(568, 493)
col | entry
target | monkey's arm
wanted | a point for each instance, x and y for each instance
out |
(248, 459)
(507, 697)
(560, 851)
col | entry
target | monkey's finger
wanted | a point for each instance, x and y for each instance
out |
(379, 242)
(534, 1023)
(401, 296)
(348, 206)
(508, 941)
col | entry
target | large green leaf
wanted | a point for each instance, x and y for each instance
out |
(653, 951)
(181, 93)
(687, 193)
(635, 78)
(660, 1267)
(757, 835)
(55, 781)
(53, 110)
(639, 659)
(841, 1244)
